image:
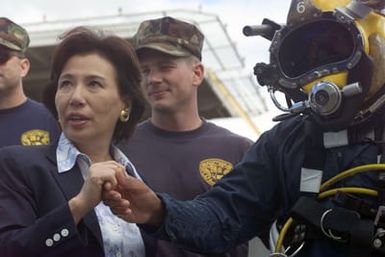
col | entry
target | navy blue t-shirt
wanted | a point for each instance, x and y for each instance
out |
(30, 123)
(184, 165)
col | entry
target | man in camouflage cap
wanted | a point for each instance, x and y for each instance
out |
(23, 121)
(170, 36)
(177, 151)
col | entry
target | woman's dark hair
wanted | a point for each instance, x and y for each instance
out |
(120, 53)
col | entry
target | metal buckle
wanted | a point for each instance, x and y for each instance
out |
(379, 215)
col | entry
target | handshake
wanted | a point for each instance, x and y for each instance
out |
(128, 197)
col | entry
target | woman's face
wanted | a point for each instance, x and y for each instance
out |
(87, 99)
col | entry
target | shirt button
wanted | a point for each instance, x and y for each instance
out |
(49, 242)
(56, 237)
(64, 232)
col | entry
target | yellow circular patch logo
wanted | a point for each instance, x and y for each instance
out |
(213, 170)
(35, 137)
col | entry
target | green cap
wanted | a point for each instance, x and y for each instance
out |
(13, 36)
(170, 36)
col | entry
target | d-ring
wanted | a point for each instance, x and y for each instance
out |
(277, 255)
(296, 251)
(329, 232)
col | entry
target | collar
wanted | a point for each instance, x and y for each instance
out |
(67, 155)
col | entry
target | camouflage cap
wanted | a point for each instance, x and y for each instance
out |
(13, 36)
(171, 36)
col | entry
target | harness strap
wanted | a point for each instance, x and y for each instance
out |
(353, 231)
(314, 161)
(364, 208)
(345, 224)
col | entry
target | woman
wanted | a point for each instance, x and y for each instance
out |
(50, 196)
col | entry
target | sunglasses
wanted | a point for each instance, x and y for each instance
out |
(6, 54)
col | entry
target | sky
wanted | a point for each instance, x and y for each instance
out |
(234, 14)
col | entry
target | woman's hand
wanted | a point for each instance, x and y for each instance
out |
(100, 175)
